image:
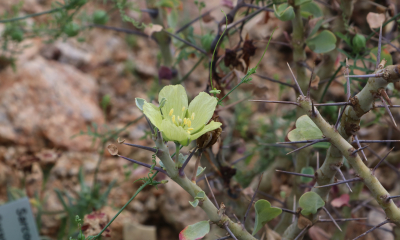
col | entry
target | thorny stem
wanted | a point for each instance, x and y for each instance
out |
(210, 209)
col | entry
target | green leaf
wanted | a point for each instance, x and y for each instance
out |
(206, 41)
(324, 42)
(310, 202)
(310, 9)
(181, 160)
(264, 214)
(316, 27)
(195, 231)
(200, 170)
(194, 203)
(344, 37)
(384, 55)
(200, 195)
(284, 12)
(305, 130)
(307, 170)
(301, 2)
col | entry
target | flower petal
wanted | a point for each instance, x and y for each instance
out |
(176, 99)
(209, 127)
(153, 113)
(203, 107)
(174, 133)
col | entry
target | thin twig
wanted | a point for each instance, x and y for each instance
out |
(372, 229)
(295, 80)
(360, 149)
(289, 211)
(317, 160)
(272, 197)
(193, 21)
(241, 159)
(391, 197)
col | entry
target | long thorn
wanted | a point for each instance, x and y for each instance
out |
(273, 80)
(252, 199)
(382, 159)
(359, 146)
(306, 141)
(297, 174)
(144, 164)
(388, 110)
(301, 233)
(378, 57)
(230, 232)
(196, 166)
(340, 117)
(332, 104)
(284, 102)
(382, 106)
(193, 21)
(307, 145)
(344, 179)
(386, 97)
(341, 182)
(314, 114)
(372, 229)
(377, 141)
(348, 95)
(272, 197)
(360, 149)
(212, 193)
(140, 146)
(333, 220)
(398, 196)
(294, 208)
(181, 170)
(241, 159)
(186, 42)
(342, 219)
(295, 80)
(289, 211)
(391, 166)
(374, 75)
(309, 84)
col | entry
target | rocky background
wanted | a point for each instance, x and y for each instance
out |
(56, 91)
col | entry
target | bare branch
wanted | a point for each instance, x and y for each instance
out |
(301, 233)
(332, 104)
(360, 149)
(186, 42)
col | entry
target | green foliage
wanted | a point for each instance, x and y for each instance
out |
(384, 55)
(264, 214)
(310, 202)
(359, 42)
(323, 42)
(305, 130)
(310, 9)
(284, 12)
(195, 231)
(307, 170)
(100, 17)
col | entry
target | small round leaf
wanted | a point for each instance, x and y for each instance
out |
(264, 214)
(310, 202)
(195, 231)
(324, 42)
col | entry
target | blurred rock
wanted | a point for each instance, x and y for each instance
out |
(138, 231)
(41, 97)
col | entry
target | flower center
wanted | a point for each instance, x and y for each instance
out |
(184, 123)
